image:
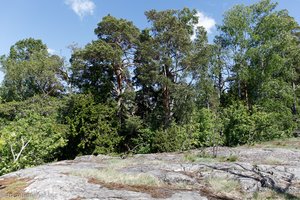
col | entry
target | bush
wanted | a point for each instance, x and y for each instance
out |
(238, 125)
(93, 127)
(175, 138)
(30, 141)
(210, 127)
(33, 125)
(242, 126)
(202, 130)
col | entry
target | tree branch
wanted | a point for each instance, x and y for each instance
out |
(24, 145)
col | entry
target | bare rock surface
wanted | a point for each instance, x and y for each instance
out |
(236, 173)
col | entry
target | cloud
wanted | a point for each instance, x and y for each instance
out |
(51, 51)
(207, 22)
(81, 7)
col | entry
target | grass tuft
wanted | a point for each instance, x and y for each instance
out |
(228, 187)
(114, 176)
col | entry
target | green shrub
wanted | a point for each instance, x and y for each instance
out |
(143, 143)
(168, 140)
(242, 126)
(35, 125)
(209, 128)
(238, 124)
(175, 138)
(30, 141)
(93, 127)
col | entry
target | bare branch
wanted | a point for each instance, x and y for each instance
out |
(24, 145)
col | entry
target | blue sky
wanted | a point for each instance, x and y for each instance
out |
(60, 23)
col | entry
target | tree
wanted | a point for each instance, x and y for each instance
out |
(104, 66)
(105, 63)
(262, 51)
(91, 70)
(166, 71)
(273, 54)
(260, 44)
(206, 73)
(235, 33)
(29, 70)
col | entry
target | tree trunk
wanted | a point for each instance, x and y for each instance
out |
(119, 86)
(294, 109)
(167, 103)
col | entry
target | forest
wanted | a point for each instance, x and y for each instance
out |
(161, 89)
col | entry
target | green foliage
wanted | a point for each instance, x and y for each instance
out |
(93, 127)
(43, 138)
(92, 71)
(260, 43)
(166, 59)
(133, 133)
(238, 125)
(164, 88)
(168, 140)
(144, 141)
(175, 138)
(210, 127)
(31, 134)
(102, 67)
(30, 70)
(42, 105)
(242, 126)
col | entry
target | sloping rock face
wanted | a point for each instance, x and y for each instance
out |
(236, 173)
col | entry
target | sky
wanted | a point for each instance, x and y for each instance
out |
(61, 23)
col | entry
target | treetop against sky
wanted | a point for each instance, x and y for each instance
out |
(60, 23)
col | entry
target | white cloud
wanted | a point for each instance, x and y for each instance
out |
(82, 7)
(207, 22)
(51, 51)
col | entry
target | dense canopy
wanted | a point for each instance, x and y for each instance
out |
(163, 88)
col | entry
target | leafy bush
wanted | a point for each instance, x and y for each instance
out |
(242, 126)
(30, 141)
(175, 138)
(209, 128)
(93, 127)
(31, 133)
(203, 130)
(238, 125)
